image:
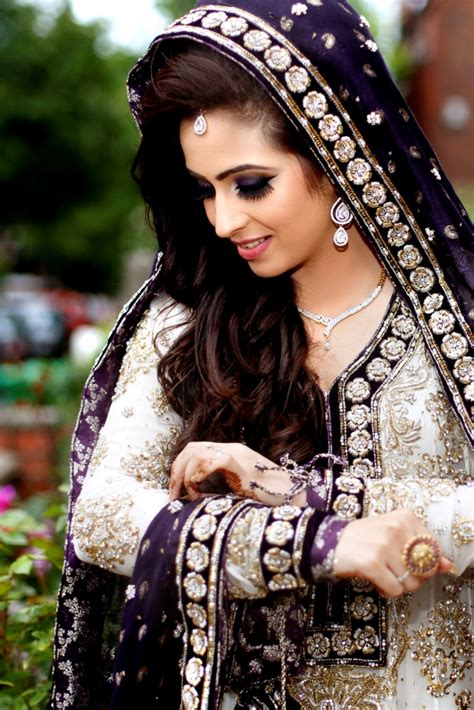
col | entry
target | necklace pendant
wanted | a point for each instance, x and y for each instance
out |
(327, 345)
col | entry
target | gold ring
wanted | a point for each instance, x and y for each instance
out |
(421, 555)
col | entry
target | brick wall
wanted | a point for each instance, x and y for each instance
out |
(440, 40)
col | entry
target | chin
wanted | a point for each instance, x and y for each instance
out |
(266, 271)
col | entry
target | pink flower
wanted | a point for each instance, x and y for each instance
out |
(7, 496)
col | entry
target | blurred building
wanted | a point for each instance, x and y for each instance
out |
(439, 37)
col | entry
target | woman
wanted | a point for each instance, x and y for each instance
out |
(309, 321)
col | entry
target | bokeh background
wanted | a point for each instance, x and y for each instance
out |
(74, 245)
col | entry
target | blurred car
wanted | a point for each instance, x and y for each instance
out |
(41, 326)
(12, 344)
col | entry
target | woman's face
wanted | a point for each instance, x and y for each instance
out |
(257, 195)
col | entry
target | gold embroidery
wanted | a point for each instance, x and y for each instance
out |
(104, 529)
(151, 464)
(463, 531)
(243, 551)
(100, 452)
(412, 406)
(443, 645)
(347, 687)
(140, 356)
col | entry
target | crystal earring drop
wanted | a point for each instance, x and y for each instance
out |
(200, 125)
(342, 216)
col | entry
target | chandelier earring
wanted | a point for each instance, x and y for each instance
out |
(342, 216)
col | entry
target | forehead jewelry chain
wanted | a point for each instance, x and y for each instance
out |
(330, 323)
(200, 125)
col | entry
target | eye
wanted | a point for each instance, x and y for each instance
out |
(253, 188)
(202, 190)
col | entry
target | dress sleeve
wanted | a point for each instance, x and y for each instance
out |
(127, 482)
(281, 548)
(445, 507)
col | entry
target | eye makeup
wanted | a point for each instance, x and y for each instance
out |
(248, 188)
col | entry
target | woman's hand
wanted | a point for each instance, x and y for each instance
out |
(372, 548)
(196, 468)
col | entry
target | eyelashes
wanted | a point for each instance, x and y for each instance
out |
(246, 188)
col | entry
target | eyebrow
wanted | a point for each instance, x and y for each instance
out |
(232, 171)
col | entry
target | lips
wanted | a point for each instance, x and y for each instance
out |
(252, 248)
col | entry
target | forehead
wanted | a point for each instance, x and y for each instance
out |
(228, 141)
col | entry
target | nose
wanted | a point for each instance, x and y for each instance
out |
(228, 218)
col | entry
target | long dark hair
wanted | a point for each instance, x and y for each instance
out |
(238, 372)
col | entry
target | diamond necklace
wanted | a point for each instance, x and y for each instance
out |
(330, 323)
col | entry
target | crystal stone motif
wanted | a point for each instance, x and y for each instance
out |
(433, 302)
(346, 505)
(286, 512)
(349, 484)
(278, 58)
(257, 40)
(341, 642)
(218, 505)
(344, 149)
(204, 527)
(359, 171)
(454, 346)
(279, 532)
(189, 698)
(398, 235)
(197, 614)
(358, 417)
(374, 194)
(315, 104)
(198, 642)
(197, 557)
(378, 369)
(330, 127)
(277, 560)
(357, 390)
(194, 671)
(192, 17)
(297, 79)
(213, 20)
(359, 442)
(441, 322)
(393, 349)
(318, 646)
(366, 640)
(387, 215)
(409, 257)
(234, 26)
(464, 370)
(195, 586)
(422, 279)
(403, 327)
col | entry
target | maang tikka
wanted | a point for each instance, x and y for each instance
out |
(342, 216)
(200, 124)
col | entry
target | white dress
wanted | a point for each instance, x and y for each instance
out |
(425, 462)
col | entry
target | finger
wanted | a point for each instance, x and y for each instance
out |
(386, 582)
(446, 566)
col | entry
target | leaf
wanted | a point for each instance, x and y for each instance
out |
(22, 565)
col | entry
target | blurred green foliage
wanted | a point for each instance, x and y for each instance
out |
(68, 202)
(31, 554)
